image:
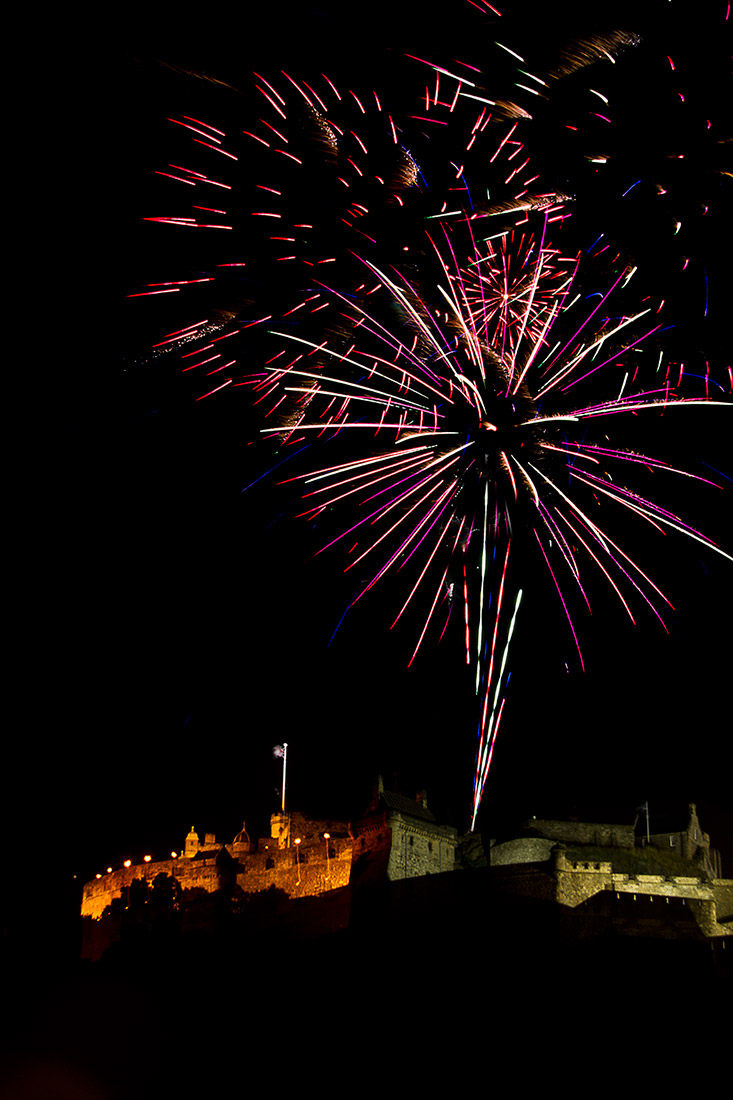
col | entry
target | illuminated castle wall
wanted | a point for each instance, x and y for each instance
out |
(313, 866)
(398, 838)
(402, 837)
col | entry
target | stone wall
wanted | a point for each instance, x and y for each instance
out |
(582, 832)
(100, 892)
(579, 880)
(288, 827)
(301, 871)
(723, 894)
(419, 849)
(530, 849)
(526, 880)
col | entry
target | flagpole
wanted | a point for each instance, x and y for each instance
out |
(285, 767)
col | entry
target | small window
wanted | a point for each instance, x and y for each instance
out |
(269, 863)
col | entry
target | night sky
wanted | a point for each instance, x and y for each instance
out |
(190, 622)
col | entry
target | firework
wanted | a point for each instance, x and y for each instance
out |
(465, 452)
(450, 393)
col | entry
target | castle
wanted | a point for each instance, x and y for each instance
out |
(664, 885)
(397, 838)
(301, 857)
(607, 870)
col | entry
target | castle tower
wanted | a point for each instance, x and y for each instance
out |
(192, 843)
(280, 829)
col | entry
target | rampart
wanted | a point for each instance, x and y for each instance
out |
(529, 849)
(581, 832)
(578, 880)
(316, 864)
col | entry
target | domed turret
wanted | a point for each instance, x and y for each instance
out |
(243, 837)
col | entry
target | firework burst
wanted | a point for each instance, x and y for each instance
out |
(451, 393)
(468, 454)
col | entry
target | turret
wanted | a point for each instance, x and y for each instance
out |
(192, 843)
(280, 829)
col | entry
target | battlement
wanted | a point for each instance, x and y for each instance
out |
(587, 866)
(578, 880)
(573, 862)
